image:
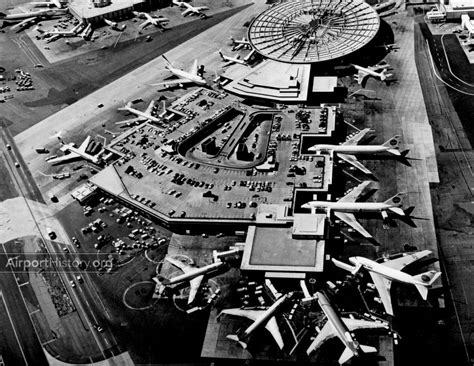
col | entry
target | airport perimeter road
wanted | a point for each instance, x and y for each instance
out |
(22, 346)
(86, 300)
(439, 61)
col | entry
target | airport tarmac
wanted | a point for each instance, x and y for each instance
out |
(452, 200)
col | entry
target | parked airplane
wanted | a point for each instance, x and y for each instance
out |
(30, 16)
(232, 60)
(145, 115)
(195, 10)
(193, 275)
(378, 71)
(52, 3)
(192, 76)
(259, 317)
(385, 272)
(390, 47)
(240, 43)
(342, 328)
(347, 149)
(74, 32)
(345, 208)
(71, 152)
(114, 25)
(157, 21)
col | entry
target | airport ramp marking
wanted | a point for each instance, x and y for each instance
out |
(13, 327)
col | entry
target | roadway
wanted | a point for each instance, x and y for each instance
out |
(85, 296)
(439, 61)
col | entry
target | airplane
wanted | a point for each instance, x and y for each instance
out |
(347, 149)
(385, 272)
(390, 47)
(114, 25)
(192, 76)
(70, 33)
(30, 16)
(378, 71)
(145, 115)
(259, 317)
(337, 326)
(240, 44)
(71, 152)
(232, 60)
(193, 275)
(156, 21)
(56, 3)
(195, 10)
(345, 208)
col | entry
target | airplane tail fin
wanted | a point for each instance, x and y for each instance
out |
(393, 144)
(384, 75)
(404, 153)
(236, 338)
(426, 280)
(346, 355)
(396, 201)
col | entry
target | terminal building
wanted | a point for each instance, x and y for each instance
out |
(95, 11)
(294, 39)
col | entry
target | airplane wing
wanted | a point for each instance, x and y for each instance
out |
(354, 324)
(358, 137)
(150, 107)
(401, 262)
(187, 11)
(383, 287)
(356, 192)
(23, 23)
(362, 77)
(194, 68)
(326, 333)
(182, 266)
(173, 82)
(199, 8)
(130, 121)
(350, 220)
(351, 159)
(194, 286)
(253, 315)
(145, 24)
(64, 158)
(84, 145)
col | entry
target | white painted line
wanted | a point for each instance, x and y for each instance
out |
(13, 327)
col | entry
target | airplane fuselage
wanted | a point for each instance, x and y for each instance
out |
(186, 75)
(39, 13)
(266, 315)
(190, 275)
(93, 158)
(337, 324)
(387, 272)
(351, 149)
(142, 114)
(352, 207)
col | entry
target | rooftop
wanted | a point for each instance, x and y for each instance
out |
(308, 32)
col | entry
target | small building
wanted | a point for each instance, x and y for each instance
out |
(209, 146)
(84, 192)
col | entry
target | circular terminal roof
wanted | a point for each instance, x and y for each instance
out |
(308, 31)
